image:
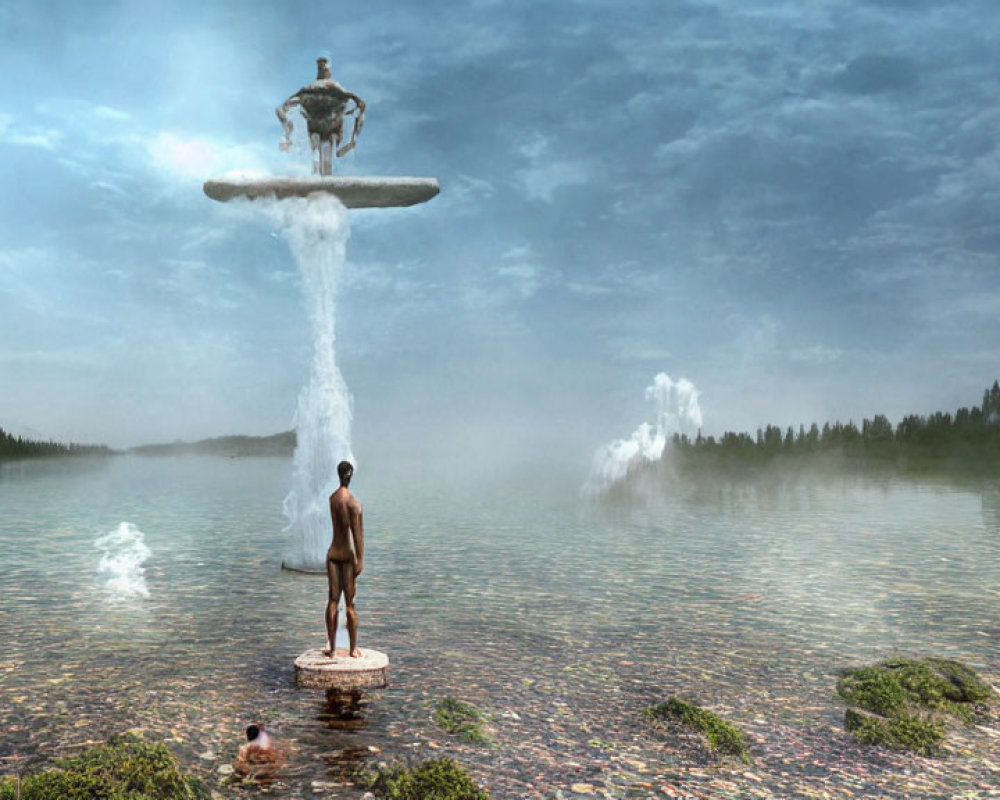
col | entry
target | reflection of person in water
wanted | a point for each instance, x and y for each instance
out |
(345, 558)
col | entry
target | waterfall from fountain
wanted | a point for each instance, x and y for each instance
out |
(316, 229)
(311, 214)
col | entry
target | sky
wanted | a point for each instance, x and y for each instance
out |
(792, 205)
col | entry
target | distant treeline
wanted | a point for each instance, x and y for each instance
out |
(969, 439)
(280, 444)
(15, 447)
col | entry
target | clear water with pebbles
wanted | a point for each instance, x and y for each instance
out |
(562, 620)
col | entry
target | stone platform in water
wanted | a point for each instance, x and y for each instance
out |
(353, 192)
(315, 670)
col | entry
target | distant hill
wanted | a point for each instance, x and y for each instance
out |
(279, 444)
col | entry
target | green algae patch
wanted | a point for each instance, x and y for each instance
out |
(904, 733)
(906, 703)
(722, 736)
(437, 779)
(460, 719)
(125, 768)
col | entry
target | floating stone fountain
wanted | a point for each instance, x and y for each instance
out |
(317, 233)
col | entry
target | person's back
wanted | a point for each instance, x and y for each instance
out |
(323, 98)
(345, 510)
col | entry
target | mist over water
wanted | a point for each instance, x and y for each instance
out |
(674, 409)
(316, 229)
(124, 552)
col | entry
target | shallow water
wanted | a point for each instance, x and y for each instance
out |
(561, 620)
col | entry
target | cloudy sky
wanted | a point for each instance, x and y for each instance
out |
(794, 205)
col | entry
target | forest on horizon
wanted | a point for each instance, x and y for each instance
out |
(16, 447)
(968, 440)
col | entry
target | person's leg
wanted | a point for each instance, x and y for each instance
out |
(352, 615)
(315, 146)
(333, 596)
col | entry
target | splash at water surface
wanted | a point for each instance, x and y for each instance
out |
(124, 552)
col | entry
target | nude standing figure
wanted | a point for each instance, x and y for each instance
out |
(345, 559)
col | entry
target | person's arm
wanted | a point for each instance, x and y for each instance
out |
(286, 123)
(359, 121)
(358, 529)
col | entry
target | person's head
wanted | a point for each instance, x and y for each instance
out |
(322, 68)
(345, 471)
(256, 732)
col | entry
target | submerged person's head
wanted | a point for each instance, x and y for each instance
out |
(322, 68)
(258, 736)
(345, 471)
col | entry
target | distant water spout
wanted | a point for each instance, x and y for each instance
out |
(316, 228)
(675, 410)
(124, 551)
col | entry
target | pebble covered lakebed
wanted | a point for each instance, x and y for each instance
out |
(146, 594)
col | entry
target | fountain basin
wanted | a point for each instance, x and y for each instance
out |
(353, 192)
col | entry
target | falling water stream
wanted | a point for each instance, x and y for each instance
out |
(316, 229)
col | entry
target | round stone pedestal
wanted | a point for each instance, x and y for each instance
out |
(314, 670)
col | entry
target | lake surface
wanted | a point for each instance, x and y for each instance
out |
(562, 620)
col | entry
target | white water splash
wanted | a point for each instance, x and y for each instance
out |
(316, 229)
(675, 410)
(124, 552)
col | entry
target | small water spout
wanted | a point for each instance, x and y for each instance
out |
(675, 410)
(124, 552)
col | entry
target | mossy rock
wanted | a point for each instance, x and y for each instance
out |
(460, 719)
(437, 779)
(904, 733)
(905, 703)
(125, 768)
(721, 736)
